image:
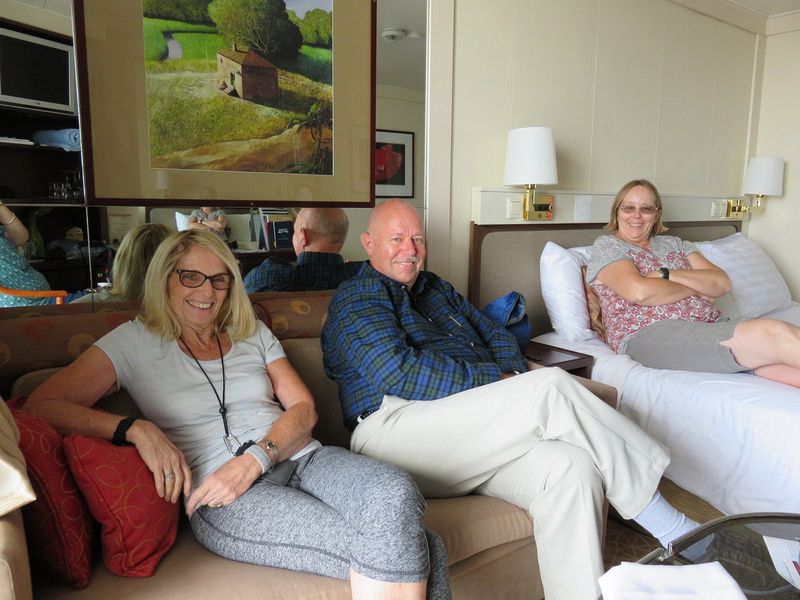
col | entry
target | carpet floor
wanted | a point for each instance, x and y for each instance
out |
(625, 544)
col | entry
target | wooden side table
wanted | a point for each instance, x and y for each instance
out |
(551, 356)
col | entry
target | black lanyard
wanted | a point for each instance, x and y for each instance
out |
(221, 402)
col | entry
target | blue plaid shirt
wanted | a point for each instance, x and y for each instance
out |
(314, 271)
(427, 343)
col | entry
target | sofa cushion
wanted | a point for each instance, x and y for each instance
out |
(58, 525)
(471, 524)
(293, 314)
(64, 338)
(305, 354)
(137, 527)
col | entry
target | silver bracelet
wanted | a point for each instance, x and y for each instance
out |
(261, 456)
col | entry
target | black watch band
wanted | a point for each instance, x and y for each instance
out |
(664, 272)
(121, 430)
(244, 447)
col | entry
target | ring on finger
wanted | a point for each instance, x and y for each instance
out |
(169, 475)
(215, 504)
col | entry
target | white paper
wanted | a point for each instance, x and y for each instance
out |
(785, 555)
(633, 581)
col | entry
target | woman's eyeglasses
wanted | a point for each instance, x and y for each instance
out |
(194, 279)
(630, 209)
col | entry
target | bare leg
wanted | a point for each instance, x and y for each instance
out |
(771, 348)
(780, 373)
(364, 588)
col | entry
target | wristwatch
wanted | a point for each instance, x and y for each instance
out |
(271, 448)
(664, 272)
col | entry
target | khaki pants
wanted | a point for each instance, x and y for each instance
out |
(539, 440)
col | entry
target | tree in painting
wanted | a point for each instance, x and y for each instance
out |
(261, 25)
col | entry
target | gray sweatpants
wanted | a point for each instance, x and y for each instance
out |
(339, 510)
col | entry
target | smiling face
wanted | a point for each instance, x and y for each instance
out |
(636, 216)
(197, 308)
(395, 241)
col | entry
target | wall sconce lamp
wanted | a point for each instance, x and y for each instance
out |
(764, 177)
(531, 161)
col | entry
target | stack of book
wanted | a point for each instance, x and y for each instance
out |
(277, 229)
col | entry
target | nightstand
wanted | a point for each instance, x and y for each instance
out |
(550, 356)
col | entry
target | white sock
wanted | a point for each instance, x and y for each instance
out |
(663, 520)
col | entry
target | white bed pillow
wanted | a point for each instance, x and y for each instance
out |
(181, 221)
(563, 292)
(758, 287)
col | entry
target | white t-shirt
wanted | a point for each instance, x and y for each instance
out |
(172, 392)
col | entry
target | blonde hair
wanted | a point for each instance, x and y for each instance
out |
(658, 226)
(236, 314)
(133, 257)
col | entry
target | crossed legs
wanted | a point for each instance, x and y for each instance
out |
(539, 440)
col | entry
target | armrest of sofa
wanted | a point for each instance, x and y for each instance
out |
(606, 393)
(15, 574)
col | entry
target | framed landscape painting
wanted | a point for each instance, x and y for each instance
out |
(394, 164)
(239, 102)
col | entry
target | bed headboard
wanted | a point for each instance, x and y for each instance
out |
(506, 257)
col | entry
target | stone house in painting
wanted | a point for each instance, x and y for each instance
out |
(248, 74)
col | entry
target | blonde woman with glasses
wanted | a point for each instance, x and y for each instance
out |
(657, 296)
(228, 422)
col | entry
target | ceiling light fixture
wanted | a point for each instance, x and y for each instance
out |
(394, 34)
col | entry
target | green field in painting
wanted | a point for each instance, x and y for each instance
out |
(186, 109)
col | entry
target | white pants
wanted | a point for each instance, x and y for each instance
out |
(539, 440)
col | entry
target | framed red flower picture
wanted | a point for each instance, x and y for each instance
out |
(394, 164)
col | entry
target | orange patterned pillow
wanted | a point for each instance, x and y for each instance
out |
(137, 527)
(57, 524)
(593, 303)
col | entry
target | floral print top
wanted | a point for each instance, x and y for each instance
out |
(16, 273)
(622, 318)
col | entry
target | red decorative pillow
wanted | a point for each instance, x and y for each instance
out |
(137, 527)
(57, 525)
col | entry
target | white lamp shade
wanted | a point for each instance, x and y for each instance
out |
(530, 157)
(764, 176)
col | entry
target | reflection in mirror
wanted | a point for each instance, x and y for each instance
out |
(399, 107)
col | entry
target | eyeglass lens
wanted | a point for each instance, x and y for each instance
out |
(645, 210)
(194, 279)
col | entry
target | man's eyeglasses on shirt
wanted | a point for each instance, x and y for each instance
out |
(194, 279)
(629, 209)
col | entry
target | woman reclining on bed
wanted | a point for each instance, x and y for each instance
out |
(656, 294)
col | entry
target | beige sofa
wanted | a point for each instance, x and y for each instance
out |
(489, 542)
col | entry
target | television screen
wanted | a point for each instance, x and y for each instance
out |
(36, 72)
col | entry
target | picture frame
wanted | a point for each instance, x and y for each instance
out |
(132, 158)
(394, 164)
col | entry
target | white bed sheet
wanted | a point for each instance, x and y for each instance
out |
(733, 439)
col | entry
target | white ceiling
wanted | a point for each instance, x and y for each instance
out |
(402, 63)
(769, 8)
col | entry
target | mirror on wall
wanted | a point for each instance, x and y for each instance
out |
(75, 242)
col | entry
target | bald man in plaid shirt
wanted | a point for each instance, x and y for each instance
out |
(429, 383)
(319, 234)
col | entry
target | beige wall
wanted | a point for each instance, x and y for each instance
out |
(631, 88)
(396, 109)
(774, 226)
